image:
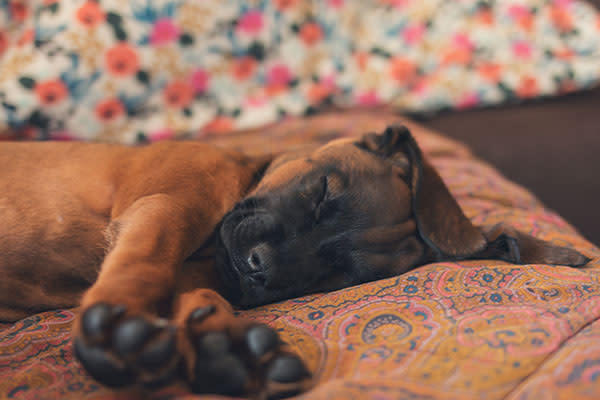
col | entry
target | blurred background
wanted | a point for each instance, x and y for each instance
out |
(550, 146)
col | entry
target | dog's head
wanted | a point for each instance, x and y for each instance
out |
(349, 212)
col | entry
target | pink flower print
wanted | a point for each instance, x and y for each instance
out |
(522, 49)
(218, 125)
(328, 80)
(564, 54)
(561, 18)
(161, 134)
(468, 100)
(311, 33)
(395, 3)
(178, 94)
(317, 92)
(522, 15)
(490, 71)
(412, 34)
(368, 99)
(402, 69)
(459, 51)
(517, 11)
(283, 4)
(336, 3)
(164, 31)
(562, 3)
(256, 100)
(420, 86)
(528, 87)
(251, 23)
(279, 75)
(462, 41)
(485, 16)
(200, 80)
(243, 68)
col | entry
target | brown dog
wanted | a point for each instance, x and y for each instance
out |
(139, 228)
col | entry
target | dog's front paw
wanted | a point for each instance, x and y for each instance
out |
(243, 359)
(117, 349)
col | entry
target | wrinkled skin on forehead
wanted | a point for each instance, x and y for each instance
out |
(349, 212)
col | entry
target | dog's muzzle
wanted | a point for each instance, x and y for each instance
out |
(244, 259)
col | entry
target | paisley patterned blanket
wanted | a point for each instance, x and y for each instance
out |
(140, 70)
(466, 330)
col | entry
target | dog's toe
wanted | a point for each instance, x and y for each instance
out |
(261, 339)
(118, 350)
(286, 376)
(130, 335)
(225, 375)
(287, 369)
(97, 320)
(159, 352)
(247, 360)
(213, 345)
(102, 366)
(218, 370)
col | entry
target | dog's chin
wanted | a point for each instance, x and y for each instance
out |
(230, 279)
(238, 291)
(251, 297)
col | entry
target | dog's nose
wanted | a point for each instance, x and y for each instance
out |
(254, 261)
(259, 257)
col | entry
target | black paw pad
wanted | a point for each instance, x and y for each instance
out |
(101, 366)
(224, 375)
(118, 351)
(130, 335)
(213, 345)
(261, 339)
(97, 319)
(287, 369)
(159, 352)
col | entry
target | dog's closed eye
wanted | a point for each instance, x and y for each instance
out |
(321, 199)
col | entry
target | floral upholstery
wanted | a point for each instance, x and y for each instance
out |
(460, 330)
(130, 71)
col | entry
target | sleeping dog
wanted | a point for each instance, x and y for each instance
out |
(156, 243)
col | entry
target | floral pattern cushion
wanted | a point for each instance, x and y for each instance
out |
(478, 329)
(139, 70)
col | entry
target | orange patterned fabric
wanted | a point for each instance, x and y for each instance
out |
(466, 330)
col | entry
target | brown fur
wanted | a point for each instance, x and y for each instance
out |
(92, 224)
(65, 206)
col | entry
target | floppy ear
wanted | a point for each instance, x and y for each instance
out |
(441, 223)
(506, 243)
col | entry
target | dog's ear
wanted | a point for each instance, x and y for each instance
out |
(506, 243)
(441, 223)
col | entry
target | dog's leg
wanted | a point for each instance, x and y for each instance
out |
(230, 355)
(120, 338)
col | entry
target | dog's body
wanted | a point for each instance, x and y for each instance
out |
(65, 206)
(125, 221)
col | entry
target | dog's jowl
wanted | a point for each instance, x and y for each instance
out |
(155, 243)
